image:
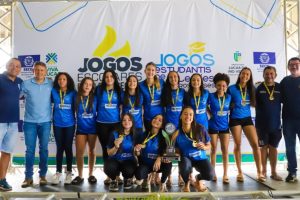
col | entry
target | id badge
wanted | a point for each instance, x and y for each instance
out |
(87, 115)
(64, 106)
(155, 102)
(110, 106)
(200, 111)
(134, 112)
(176, 109)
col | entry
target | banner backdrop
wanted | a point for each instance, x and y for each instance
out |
(206, 37)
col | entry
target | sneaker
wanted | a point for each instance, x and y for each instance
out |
(113, 186)
(120, 181)
(43, 181)
(4, 186)
(127, 183)
(27, 183)
(291, 178)
(68, 178)
(56, 179)
(138, 182)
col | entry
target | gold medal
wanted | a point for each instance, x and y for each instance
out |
(243, 103)
(195, 144)
(143, 146)
(271, 98)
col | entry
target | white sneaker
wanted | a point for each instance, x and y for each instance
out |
(68, 178)
(56, 178)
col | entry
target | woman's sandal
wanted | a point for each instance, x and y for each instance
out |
(225, 180)
(240, 178)
(76, 181)
(92, 179)
(276, 177)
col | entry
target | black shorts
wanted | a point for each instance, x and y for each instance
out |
(212, 131)
(269, 137)
(241, 122)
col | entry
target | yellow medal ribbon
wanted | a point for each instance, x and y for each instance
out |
(148, 138)
(221, 104)
(62, 97)
(190, 138)
(271, 94)
(86, 103)
(109, 95)
(131, 104)
(175, 101)
(244, 95)
(197, 103)
(151, 92)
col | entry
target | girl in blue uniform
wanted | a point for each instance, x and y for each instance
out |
(192, 140)
(86, 110)
(120, 152)
(219, 107)
(197, 98)
(133, 102)
(151, 88)
(172, 101)
(242, 97)
(109, 101)
(63, 97)
(150, 149)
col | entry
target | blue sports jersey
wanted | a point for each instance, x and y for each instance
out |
(151, 151)
(86, 121)
(172, 113)
(185, 145)
(63, 109)
(109, 112)
(219, 119)
(238, 110)
(200, 113)
(268, 111)
(125, 151)
(136, 112)
(151, 107)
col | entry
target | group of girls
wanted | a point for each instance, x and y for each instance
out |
(129, 126)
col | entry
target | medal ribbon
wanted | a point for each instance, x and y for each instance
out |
(244, 95)
(149, 138)
(221, 104)
(175, 101)
(62, 97)
(109, 95)
(151, 92)
(270, 93)
(197, 103)
(86, 103)
(131, 104)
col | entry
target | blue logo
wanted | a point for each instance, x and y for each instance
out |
(264, 58)
(28, 61)
(51, 58)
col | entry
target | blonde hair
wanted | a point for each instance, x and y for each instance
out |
(156, 79)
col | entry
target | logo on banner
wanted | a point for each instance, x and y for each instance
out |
(51, 61)
(104, 58)
(27, 62)
(263, 59)
(237, 56)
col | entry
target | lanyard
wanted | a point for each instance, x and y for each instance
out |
(175, 101)
(149, 138)
(197, 103)
(86, 103)
(194, 142)
(62, 97)
(221, 104)
(131, 104)
(109, 95)
(151, 92)
(271, 94)
(243, 94)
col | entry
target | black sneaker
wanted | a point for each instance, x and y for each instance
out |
(113, 186)
(4, 186)
(291, 178)
(127, 183)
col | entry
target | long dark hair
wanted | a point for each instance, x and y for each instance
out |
(190, 91)
(196, 128)
(70, 82)
(80, 93)
(116, 83)
(166, 98)
(250, 85)
(121, 128)
(137, 91)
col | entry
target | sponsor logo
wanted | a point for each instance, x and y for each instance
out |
(237, 56)
(264, 58)
(52, 64)
(51, 58)
(27, 62)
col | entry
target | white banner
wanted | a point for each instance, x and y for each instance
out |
(206, 37)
